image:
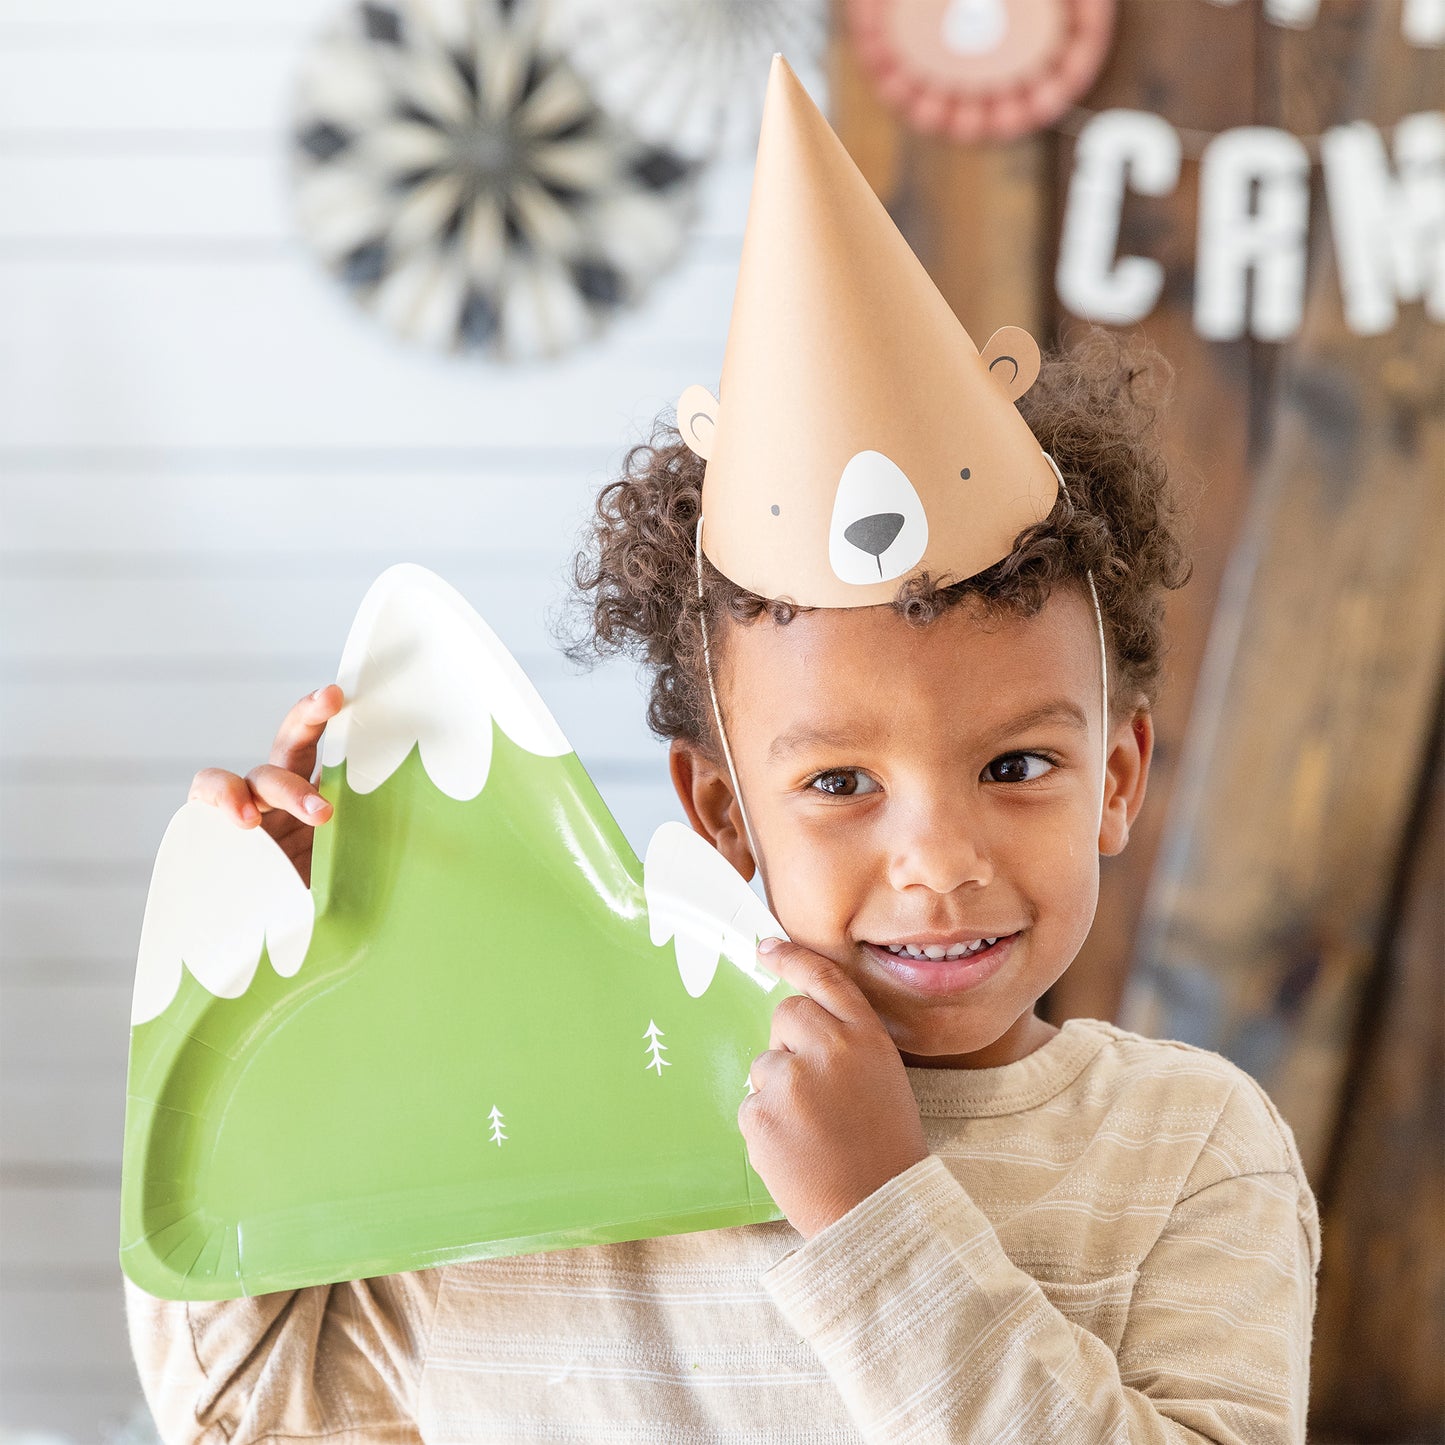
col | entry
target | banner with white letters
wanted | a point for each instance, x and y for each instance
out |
(1385, 208)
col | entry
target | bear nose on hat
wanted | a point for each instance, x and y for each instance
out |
(878, 529)
(874, 535)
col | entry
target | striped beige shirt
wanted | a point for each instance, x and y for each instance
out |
(1112, 1240)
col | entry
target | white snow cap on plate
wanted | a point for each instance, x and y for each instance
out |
(218, 894)
(420, 666)
(699, 900)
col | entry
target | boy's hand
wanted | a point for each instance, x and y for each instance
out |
(833, 1116)
(279, 795)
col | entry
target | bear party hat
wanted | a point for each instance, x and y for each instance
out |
(861, 437)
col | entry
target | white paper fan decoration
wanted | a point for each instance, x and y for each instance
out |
(690, 74)
(454, 171)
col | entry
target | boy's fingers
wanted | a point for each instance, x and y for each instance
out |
(274, 787)
(818, 977)
(294, 748)
(227, 791)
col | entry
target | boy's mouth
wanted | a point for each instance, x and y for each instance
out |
(927, 948)
(943, 966)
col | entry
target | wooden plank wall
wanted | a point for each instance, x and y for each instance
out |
(1209, 426)
(1268, 911)
(1380, 1331)
(204, 449)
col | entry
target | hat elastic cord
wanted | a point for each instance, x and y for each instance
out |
(1103, 663)
(716, 710)
(1104, 687)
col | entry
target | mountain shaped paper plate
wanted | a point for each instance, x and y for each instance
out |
(485, 1029)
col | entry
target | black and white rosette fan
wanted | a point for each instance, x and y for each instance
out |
(454, 171)
(689, 74)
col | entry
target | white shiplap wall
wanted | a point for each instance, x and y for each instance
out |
(206, 455)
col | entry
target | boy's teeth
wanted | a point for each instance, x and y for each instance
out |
(936, 951)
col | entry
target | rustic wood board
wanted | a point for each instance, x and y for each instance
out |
(1383, 1233)
(1154, 66)
(1312, 714)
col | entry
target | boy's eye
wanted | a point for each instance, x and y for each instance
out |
(1014, 767)
(843, 783)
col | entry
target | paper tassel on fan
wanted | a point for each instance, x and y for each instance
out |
(688, 73)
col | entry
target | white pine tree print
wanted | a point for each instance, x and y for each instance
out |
(497, 1134)
(657, 1062)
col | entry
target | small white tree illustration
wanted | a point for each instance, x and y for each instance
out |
(656, 1048)
(497, 1133)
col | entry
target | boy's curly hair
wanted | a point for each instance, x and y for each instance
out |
(1093, 409)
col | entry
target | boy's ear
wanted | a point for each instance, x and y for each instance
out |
(1128, 776)
(1012, 358)
(697, 410)
(706, 794)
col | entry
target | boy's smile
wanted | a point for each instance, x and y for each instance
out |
(916, 791)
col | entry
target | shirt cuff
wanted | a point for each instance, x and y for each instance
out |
(829, 1274)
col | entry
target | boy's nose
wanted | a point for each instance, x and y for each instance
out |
(939, 847)
(874, 535)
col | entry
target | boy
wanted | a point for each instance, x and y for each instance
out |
(996, 1229)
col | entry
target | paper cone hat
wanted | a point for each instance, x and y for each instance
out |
(861, 438)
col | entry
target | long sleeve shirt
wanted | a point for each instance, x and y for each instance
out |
(1112, 1240)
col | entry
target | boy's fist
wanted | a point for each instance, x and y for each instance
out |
(833, 1116)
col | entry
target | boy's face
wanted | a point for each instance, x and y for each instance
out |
(898, 798)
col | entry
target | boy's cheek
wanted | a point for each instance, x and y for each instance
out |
(815, 894)
(809, 923)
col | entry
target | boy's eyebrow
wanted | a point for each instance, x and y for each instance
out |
(798, 739)
(1059, 710)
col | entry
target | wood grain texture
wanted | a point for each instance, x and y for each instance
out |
(1205, 429)
(1310, 726)
(1383, 1234)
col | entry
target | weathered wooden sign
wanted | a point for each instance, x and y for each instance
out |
(1386, 218)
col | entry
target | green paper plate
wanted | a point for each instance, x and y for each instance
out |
(486, 1030)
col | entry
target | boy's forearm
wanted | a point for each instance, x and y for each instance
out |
(930, 1332)
(234, 1371)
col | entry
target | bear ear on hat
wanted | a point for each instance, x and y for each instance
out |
(1012, 358)
(697, 410)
